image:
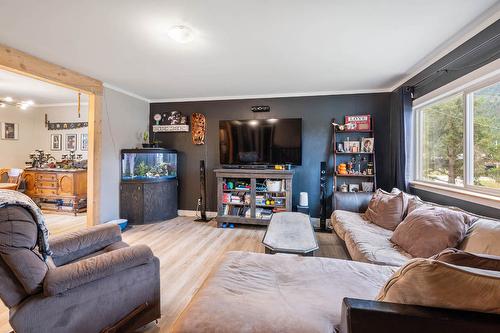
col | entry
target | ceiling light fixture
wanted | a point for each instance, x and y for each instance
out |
(181, 34)
(23, 105)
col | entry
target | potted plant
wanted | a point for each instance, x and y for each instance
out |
(145, 140)
(155, 142)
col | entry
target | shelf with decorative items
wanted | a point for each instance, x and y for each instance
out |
(252, 196)
(354, 155)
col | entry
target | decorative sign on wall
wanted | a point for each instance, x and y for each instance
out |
(170, 128)
(64, 126)
(358, 123)
(198, 128)
(170, 122)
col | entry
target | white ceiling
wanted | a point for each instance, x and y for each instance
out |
(23, 88)
(241, 48)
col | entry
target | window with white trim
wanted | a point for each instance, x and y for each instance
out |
(457, 138)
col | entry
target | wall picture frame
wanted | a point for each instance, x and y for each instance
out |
(353, 187)
(10, 131)
(84, 142)
(351, 146)
(367, 145)
(55, 142)
(71, 142)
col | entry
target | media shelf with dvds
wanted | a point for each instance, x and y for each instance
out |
(252, 196)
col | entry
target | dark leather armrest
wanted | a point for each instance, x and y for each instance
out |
(359, 316)
(351, 201)
(61, 279)
(74, 245)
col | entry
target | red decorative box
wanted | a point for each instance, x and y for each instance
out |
(358, 123)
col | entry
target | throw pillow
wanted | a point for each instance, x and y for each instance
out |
(462, 258)
(386, 209)
(428, 230)
(437, 284)
(483, 237)
(407, 199)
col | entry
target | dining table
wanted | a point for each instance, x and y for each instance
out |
(8, 186)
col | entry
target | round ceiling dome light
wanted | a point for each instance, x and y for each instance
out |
(181, 34)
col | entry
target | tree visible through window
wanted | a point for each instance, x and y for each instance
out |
(487, 136)
(458, 153)
(443, 141)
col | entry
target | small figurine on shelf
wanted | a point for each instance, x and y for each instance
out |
(369, 168)
(343, 188)
(342, 169)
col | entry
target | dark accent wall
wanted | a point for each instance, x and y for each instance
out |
(476, 52)
(316, 112)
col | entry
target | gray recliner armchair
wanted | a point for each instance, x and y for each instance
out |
(98, 284)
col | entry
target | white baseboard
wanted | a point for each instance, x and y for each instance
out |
(192, 213)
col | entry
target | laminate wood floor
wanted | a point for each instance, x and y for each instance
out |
(188, 251)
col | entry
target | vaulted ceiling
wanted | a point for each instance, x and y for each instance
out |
(241, 48)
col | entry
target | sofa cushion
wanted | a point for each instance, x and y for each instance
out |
(342, 220)
(483, 237)
(386, 209)
(462, 258)
(428, 230)
(438, 284)
(252, 292)
(366, 241)
(371, 243)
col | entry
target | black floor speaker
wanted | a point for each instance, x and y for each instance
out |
(322, 196)
(202, 201)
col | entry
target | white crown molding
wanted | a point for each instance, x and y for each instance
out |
(58, 104)
(131, 94)
(278, 95)
(491, 15)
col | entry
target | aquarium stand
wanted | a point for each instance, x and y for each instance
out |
(148, 187)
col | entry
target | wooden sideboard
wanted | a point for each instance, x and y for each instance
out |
(57, 189)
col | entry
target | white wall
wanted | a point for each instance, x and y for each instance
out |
(14, 153)
(34, 135)
(123, 118)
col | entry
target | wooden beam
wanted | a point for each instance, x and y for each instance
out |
(22, 63)
(94, 160)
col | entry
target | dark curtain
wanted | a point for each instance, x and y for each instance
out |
(400, 138)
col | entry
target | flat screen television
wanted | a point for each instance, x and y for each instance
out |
(260, 142)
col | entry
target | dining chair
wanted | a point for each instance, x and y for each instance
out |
(15, 176)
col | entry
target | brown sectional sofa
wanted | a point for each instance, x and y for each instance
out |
(252, 292)
(370, 243)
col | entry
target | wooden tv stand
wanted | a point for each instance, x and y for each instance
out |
(253, 177)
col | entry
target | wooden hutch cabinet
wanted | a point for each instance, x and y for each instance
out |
(57, 189)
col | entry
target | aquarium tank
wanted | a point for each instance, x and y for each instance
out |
(149, 164)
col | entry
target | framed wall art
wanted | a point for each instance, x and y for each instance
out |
(84, 142)
(56, 142)
(71, 142)
(10, 131)
(367, 145)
